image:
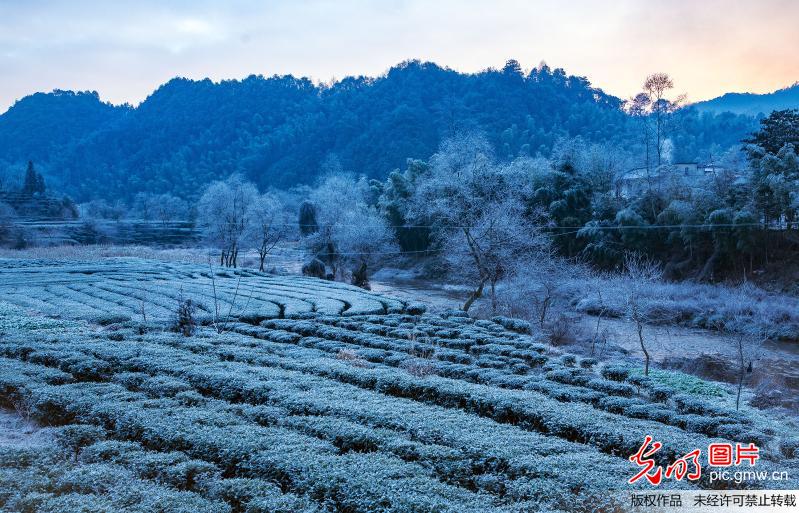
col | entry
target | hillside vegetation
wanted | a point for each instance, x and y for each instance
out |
(282, 130)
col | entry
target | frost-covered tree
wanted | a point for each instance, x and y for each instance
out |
(169, 208)
(144, 206)
(480, 224)
(267, 226)
(161, 207)
(352, 236)
(640, 275)
(101, 209)
(224, 215)
(536, 285)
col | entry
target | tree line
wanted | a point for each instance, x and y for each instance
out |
(282, 131)
(486, 220)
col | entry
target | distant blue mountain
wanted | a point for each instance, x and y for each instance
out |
(753, 104)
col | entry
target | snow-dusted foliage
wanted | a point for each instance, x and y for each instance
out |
(378, 410)
(224, 212)
(350, 236)
(268, 225)
(482, 226)
(132, 290)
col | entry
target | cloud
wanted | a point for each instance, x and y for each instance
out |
(125, 49)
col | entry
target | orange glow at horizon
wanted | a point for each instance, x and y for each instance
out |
(126, 49)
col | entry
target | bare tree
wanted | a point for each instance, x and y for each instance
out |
(224, 215)
(640, 274)
(655, 87)
(743, 341)
(601, 309)
(268, 226)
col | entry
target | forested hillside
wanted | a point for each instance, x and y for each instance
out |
(280, 131)
(41, 125)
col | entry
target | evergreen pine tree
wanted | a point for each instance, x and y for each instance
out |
(30, 183)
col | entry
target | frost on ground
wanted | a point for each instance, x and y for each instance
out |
(130, 289)
(17, 432)
(340, 400)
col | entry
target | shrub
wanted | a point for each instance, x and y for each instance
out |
(563, 330)
(190, 398)
(77, 436)
(351, 357)
(690, 404)
(660, 394)
(612, 387)
(569, 376)
(538, 360)
(616, 373)
(568, 360)
(616, 404)
(185, 475)
(639, 381)
(790, 448)
(651, 412)
(698, 423)
(418, 367)
(517, 325)
(416, 308)
(185, 322)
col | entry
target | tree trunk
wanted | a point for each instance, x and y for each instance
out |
(494, 297)
(741, 376)
(596, 331)
(474, 296)
(262, 257)
(542, 315)
(643, 347)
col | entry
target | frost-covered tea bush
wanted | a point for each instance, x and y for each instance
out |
(120, 290)
(341, 401)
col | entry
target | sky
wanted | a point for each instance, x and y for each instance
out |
(125, 49)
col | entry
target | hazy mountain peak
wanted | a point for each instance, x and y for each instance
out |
(753, 103)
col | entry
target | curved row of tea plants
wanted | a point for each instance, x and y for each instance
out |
(311, 410)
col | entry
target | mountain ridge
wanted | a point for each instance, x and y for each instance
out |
(281, 131)
(753, 104)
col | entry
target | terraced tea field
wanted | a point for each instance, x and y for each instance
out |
(305, 395)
